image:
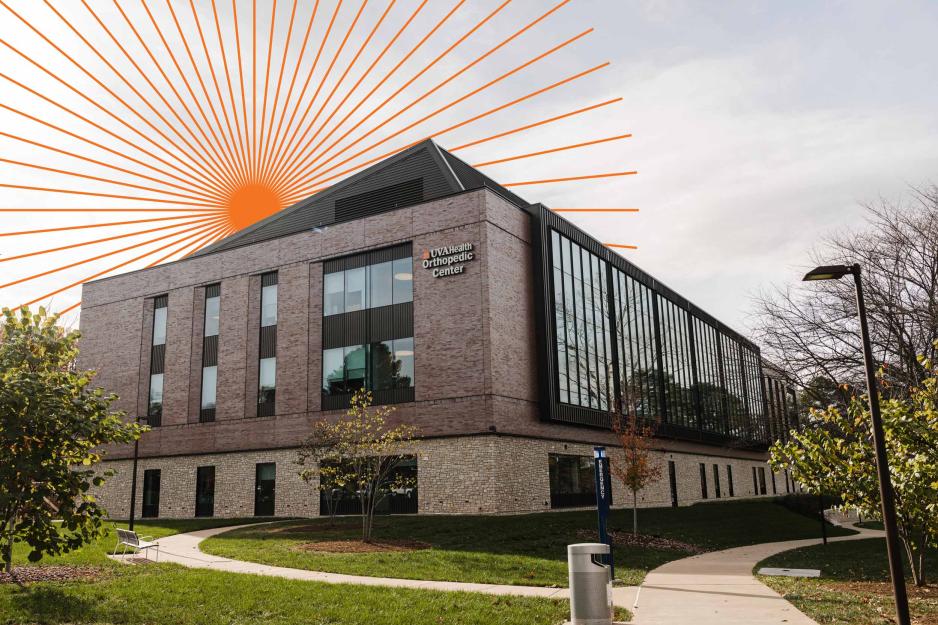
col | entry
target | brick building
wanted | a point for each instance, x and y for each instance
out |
(500, 330)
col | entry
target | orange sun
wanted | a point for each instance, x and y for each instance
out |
(250, 203)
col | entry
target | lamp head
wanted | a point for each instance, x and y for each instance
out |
(828, 272)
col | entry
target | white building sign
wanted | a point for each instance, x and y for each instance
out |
(448, 260)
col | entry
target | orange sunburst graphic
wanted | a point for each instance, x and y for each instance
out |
(137, 133)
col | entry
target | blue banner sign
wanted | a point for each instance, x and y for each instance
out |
(603, 496)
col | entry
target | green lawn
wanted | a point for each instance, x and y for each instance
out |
(168, 594)
(523, 549)
(854, 585)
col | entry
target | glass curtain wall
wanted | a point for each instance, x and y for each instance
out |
(666, 362)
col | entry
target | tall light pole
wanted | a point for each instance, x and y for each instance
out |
(887, 499)
(133, 481)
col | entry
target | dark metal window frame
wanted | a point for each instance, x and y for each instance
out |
(729, 479)
(267, 337)
(157, 362)
(369, 325)
(748, 429)
(703, 481)
(209, 353)
(151, 510)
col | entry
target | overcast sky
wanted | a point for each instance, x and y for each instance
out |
(758, 126)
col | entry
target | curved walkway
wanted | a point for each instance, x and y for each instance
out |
(718, 588)
(184, 549)
(715, 588)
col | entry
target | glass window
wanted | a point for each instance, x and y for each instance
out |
(384, 367)
(212, 309)
(209, 381)
(355, 289)
(571, 481)
(403, 280)
(156, 396)
(334, 293)
(404, 355)
(159, 325)
(333, 371)
(205, 491)
(267, 375)
(151, 493)
(269, 305)
(379, 284)
(356, 364)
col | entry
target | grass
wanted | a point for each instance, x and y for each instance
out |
(523, 549)
(854, 586)
(167, 594)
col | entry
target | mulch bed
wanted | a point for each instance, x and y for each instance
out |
(628, 539)
(358, 546)
(51, 573)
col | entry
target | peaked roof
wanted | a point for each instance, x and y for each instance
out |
(423, 172)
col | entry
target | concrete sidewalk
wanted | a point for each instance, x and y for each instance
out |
(184, 549)
(718, 588)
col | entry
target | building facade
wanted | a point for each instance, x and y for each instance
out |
(506, 335)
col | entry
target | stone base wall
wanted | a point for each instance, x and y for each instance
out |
(482, 474)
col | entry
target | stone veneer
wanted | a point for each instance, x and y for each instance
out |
(462, 475)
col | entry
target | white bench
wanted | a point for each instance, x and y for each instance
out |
(127, 538)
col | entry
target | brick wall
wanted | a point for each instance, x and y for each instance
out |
(466, 475)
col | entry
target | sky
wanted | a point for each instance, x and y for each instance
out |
(757, 127)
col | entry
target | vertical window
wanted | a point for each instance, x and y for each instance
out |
(267, 352)
(729, 479)
(716, 480)
(774, 489)
(787, 483)
(157, 361)
(151, 494)
(210, 352)
(762, 480)
(380, 284)
(755, 482)
(265, 482)
(205, 491)
(334, 293)
(355, 289)
(703, 481)
(403, 280)
(382, 357)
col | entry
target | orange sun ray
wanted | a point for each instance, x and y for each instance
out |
(387, 76)
(413, 79)
(106, 254)
(242, 144)
(101, 225)
(106, 239)
(341, 79)
(286, 151)
(443, 131)
(209, 184)
(123, 79)
(535, 124)
(595, 210)
(551, 150)
(100, 273)
(193, 162)
(451, 104)
(569, 179)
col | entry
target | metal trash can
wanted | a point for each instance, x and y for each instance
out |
(590, 584)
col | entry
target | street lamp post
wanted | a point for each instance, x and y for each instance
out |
(887, 499)
(133, 481)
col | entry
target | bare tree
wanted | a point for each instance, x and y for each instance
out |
(811, 328)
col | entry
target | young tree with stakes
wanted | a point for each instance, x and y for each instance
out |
(636, 469)
(359, 453)
(52, 421)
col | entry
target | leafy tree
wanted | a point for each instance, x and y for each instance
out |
(835, 454)
(360, 453)
(51, 422)
(637, 469)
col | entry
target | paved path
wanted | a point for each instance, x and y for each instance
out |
(718, 588)
(184, 549)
